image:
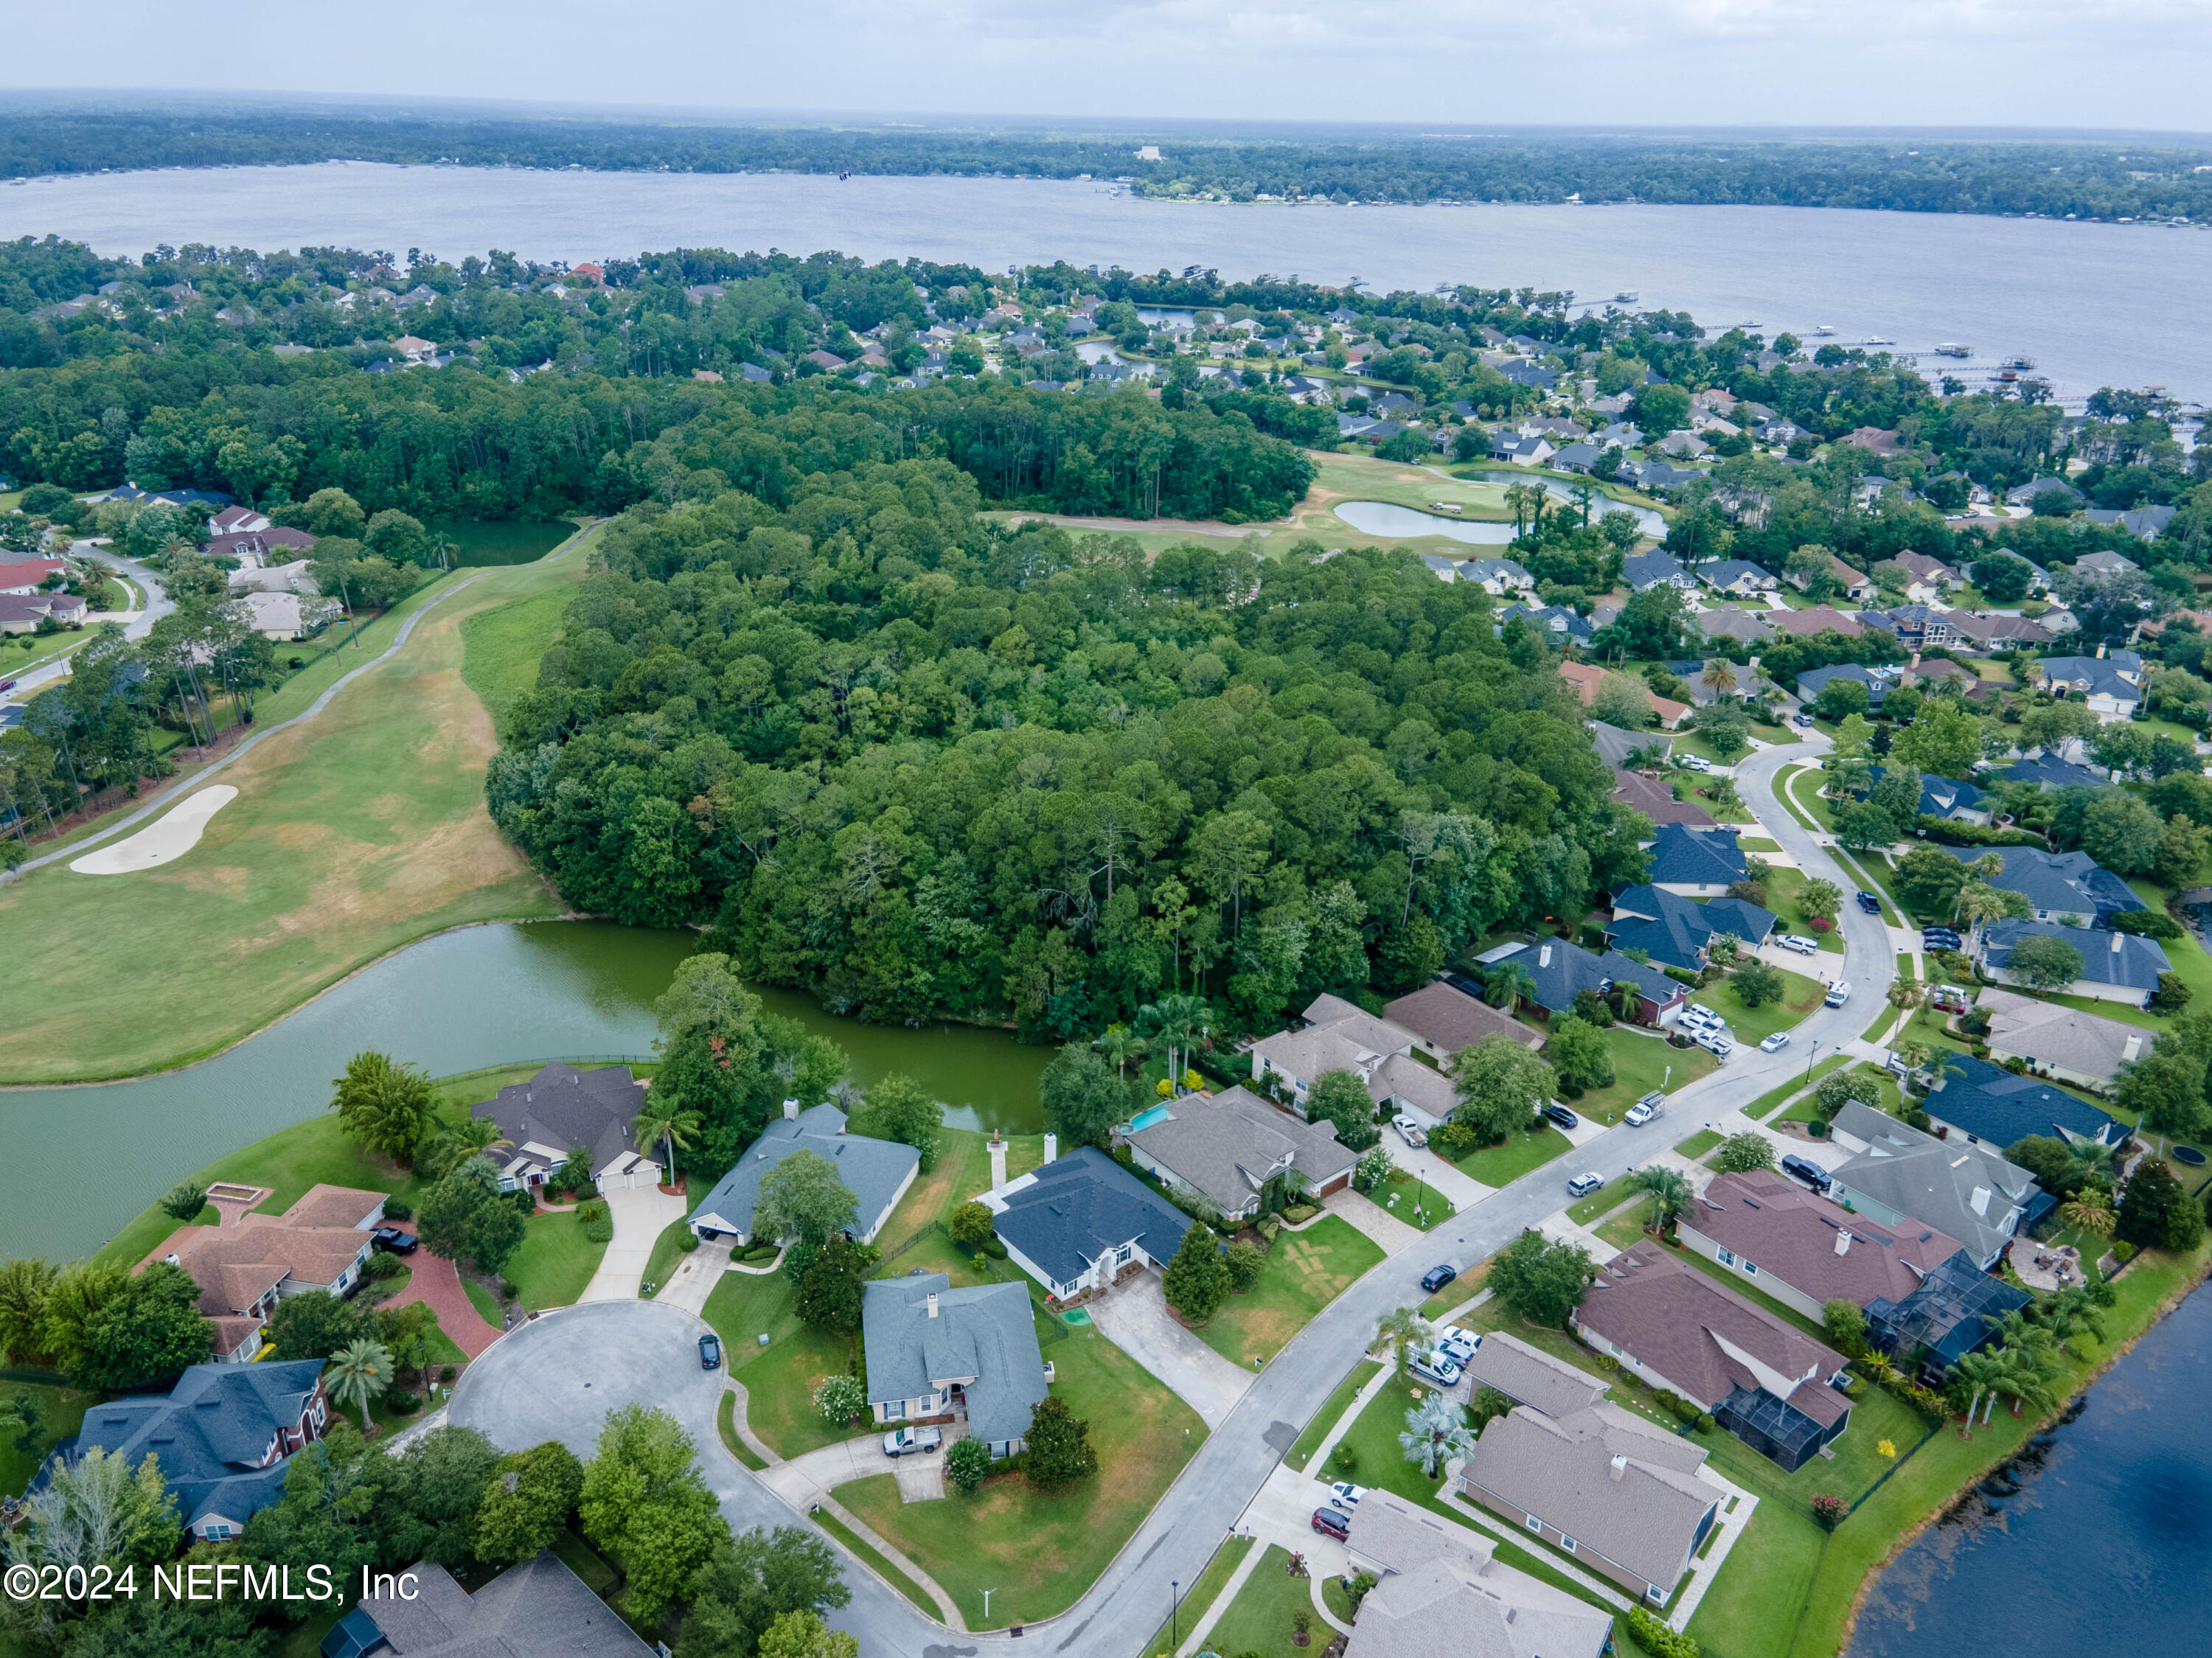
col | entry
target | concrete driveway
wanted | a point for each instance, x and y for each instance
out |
(640, 1215)
(1134, 1317)
(695, 1276)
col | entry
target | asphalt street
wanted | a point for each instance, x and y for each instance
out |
(140, 622)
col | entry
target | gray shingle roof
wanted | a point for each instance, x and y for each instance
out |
(209, 1433)
(1451, 1019)
(1528, 1375)
(539, 1609)
(1649, 569)
(1227, 1146)
(1687, 857)
(1563, 969)
(1442, 1592)
(1813, 681)
(2070, 883)
(986, 1332)
(872, 1169)
(1077, 1207)
(564, 1107)
(2066, 1037)
(1934, 1181)
(2046, 771)
(2107, 958)
(1941, 796)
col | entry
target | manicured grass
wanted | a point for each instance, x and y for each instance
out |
(1874, 873)
(1699, 1143)
(1756, 843)
(353, 834)
(1200, 1594)
(1339, 1402)
(1783, 886)
(1305, 1271)
(1501, 1165)
(873, 1557)
(1040, 1551)
(1413, 1200)
(500, 648)
(779, 1378)
(1752, 1025)
(483, 1301)
(1641, 1062)
(726, 1423)
(1783, 791)
(555, 1262)
(1259, 1619)
(1766, 1102)
(1603, 1202)
(668, 1249)
(65, 1409)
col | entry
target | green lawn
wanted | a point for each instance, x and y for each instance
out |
(352, 835)
(1603, 1202)
(1766, 1102)
(1699, 1143)
(1757, 843)
(1259, 1619)
(1199, 1595)
(873, 1557)
(666, 1249)
(726, 1423)
(779, 1378)
(500, 648)
(1339, 1402)
(1641, 1062)
(1305, 1271)
(554, 1263)
(1783, 886)
(1037, 1550)
(1501, 1165)
(483, 1301)
(1413, 1200)
(1784, 791)
(1752, 1025)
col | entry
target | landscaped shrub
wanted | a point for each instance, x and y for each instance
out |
(382, 1268)
(1944, 832)
(1657, 1640)
(1345, 1460)
(1245, 1263)
(1452, 1140)
(1830, 1511)
(841, 1397)
(395, 1210)
(967, 1463)
(401, 1403)
(599, 1225)
(1298, 1214)
(447, 1373)
(1269, 1226)
(687, 1241)
(1705, 1423)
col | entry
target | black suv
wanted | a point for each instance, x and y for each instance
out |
(1559, 1114)
(1870, 903)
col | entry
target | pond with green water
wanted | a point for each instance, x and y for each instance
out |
(503, 542)
(87, 1159)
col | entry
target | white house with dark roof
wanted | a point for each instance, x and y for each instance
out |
(876, 1172)
(1081, 1221)
(2109, 686)
(1897, 1174)
(2116, 966)
(562, 1110)
(942, 1354)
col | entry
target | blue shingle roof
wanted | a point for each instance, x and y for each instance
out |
(1993, 1105)
(1081, 1205)
(1941, 796)
(1732, 570)
(2059, 883)
(872, 1169)
(1813, 681)
(1649, 569)
(1549, 618)
(2046, 771)
(1681, 856)
(1572, 969)
(1673, 930)
(2107, 958)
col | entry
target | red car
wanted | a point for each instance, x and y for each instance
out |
(1330, 1522)
(7, 684)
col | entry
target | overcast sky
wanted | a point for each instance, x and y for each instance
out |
(2125, 63)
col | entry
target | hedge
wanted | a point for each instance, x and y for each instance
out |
(1946, 833)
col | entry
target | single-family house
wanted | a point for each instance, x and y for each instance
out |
(1856, 585)
(2060, 1041)
(2063, 886)
(2149, 522)
(20, 614)
(293, 578)
(1929, 577)
(1741, 682)
(562, 1110)
(1678, 931)
(1694, 864)
(1333, 1034)
(539, 1608)
(1810, 619)
(1990, 632)
(1651, 569)
(2048, 772)
(1520, 451)
(24, 576)
(2025, 495)
(219, 1436)
(1556, 621)
(1813, 681)
(1656, 799)
(966, 1357)
(286, 615)
(1679, 1330)
(1655, 476)
(1916, 626)
(2105, 566)
(1529, 1375)
(1683, 446)
(1498, 575)
(322, 1243)
(2111, 686)
(1587, 678)
(1804, 1250)
(1226, 1147)
(1737, 575)
(1897, 1174)
(1985, 1104)
(1614, 1489)
(1443, 1019)
(1082, 1221)
(876, 1172)
(233, 520)
(1442, 1591)
(1562, 969)
(1724, 622)
(1944, 674)
(1578, 457)
(1616, 746)
(1953, 1311)
(1875, 439)
(1618, 434)
(1946, 797)
(2116, 966)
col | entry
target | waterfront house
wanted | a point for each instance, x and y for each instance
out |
(1614, 1489)
(1441, 1591)
(1081, 1221)
(1896, 1174)
(876, 1172)
(1679, 1330)
(1498, 575)
(1648, 570)
(1954, 1310)
(2060, 1041)
(968, 1357)
(322, 1243)
(562, 1110)
(2116, 966)
(1226, 1147)
(1805, 1250)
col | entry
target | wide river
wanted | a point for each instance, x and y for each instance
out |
(90, 1158)
(2093, 304)
(2107, 1547)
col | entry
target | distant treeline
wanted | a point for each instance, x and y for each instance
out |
(2111, 179)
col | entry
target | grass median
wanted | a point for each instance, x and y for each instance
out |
(1339, 1401)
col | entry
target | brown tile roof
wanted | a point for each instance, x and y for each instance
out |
(1450, 1018)
(1702, 1337)
(325, 1206)
(1813, 619)
(1790, 1235)
(1657, 801)
(236, 1265)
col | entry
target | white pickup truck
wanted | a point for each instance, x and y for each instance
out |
(904, 1442)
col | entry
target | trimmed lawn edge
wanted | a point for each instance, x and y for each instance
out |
(1212, 1578)
(726, 1422)
(1330, 1414)
(873, 1559)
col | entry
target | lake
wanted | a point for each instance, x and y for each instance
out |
(2093, 304)
(462, 1001)
(2105, 1547)
(502, 543)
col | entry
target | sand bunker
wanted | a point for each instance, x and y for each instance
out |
(167, 838)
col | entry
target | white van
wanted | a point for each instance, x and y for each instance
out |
(1839, 992)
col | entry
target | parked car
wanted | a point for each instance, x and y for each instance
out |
(1433, 1366)
(1805, 1169)
(1718, 1044)
(1695, 763)
(1438, 1276)
(1798, 942)
(396, 1239)
(710, 1353)
(1410, 1130)
(1699, 1016)
(1775, 1043)
(1940, 938)
(1457, 1345)
(1653, 1104)
(1559, 1114)
(1839, 993)
(7, 685)
(904, 1442)
(1333, 1523)
(1346, 1496)
(1582, 1184)
(1870, 903)
(1804, 719)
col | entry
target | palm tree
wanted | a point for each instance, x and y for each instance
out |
(2087, 1212)
(2075, 1308)
(665, 1119)
(1984, 1371)
(1508, 985)
(470, 1137)
(1670, 1193)
(1719, 676)
(1179, 1022)
(1435, 1432)
(1121, 1045)
(359, 1371)
(1402, 1332)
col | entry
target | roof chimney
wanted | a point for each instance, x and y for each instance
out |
(791, 1110)
(2116, 936)
(932, 1303)
(1544, 955)
(2100, 653)
(1619, 1467)
(1982, 1201)
(2134, 1048)
(1842, 1242)
(1051, 1147)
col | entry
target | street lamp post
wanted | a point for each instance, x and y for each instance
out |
(988, 1593)
(1813, 1053)
(1175, 1615)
